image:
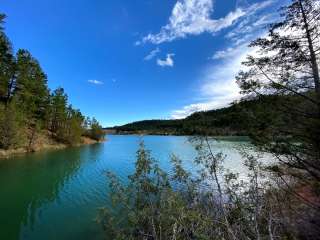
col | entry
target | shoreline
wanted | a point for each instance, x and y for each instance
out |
(218, 137)
(6, 154)
(155, 133)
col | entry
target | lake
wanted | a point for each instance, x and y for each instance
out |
(56, 194)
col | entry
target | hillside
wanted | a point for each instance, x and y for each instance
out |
(233, 120)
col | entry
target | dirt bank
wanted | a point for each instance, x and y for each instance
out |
(43, 142)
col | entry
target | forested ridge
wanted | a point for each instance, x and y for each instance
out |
(31, 113)
(239, 119)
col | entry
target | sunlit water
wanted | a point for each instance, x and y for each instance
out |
(56, 194)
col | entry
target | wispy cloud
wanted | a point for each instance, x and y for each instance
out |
(248, 28)
(193, 17)
(221, 54)
(255, 21)
(152, 54)
(96, 82)
(192, 108)
(219, 88)
(168, 62)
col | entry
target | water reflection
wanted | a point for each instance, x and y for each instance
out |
(29, 182)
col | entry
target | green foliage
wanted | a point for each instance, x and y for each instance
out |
(31, 89)
(7, 65)
(94, 129)
(74, 126)
(70, 128)
(57, 112)
(238, 120)
(10, 126)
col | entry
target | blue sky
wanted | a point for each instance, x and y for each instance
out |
(128, 60)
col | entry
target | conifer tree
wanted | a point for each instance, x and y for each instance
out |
(287, 64)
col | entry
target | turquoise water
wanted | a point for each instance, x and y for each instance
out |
(56, 194)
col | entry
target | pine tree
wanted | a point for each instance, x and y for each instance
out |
(31, 90)
(286, 64)
(7, 65)
(58, 109)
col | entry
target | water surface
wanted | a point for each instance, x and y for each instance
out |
(56, 194)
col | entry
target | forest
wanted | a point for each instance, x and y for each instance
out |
(239, 119)
(30, 113)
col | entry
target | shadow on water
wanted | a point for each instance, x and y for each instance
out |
(28, 182)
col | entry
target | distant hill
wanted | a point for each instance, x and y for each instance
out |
(235, 120)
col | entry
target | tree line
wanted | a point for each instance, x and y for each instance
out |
(28, 109)
(234, 120)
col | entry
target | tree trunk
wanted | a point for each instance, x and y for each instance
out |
(9, 90)
(32, 137)
(216, 179)
(313, 58)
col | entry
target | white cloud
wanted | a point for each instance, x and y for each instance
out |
(168, 62)
(254, 22)
(261, 5)
(96, 82)
(221, 54)
(196, 107)
(219, 87)
(152, 54)
(266, 19)
(248, 28)
(192, 17)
